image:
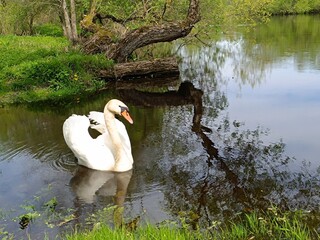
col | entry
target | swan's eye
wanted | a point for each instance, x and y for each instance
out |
(123, 109)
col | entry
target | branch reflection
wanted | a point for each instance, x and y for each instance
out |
(240, 172)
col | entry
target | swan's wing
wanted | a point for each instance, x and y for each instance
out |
(76, 135)
(75, 129)
(90, 152)
(97, 121)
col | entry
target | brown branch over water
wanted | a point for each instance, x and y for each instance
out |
(120, 50)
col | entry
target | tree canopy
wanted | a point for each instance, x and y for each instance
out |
(110, 25)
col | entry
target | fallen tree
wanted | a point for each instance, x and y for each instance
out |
(120, 45)
(142, 69)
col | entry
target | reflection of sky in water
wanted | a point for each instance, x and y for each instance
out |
(276, 92)
(287, 102)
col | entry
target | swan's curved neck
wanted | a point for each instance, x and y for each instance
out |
(109, 118)
(123, 161)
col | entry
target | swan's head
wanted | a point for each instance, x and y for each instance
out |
(117, 107)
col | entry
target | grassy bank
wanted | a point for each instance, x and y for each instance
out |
(45, 68)
(272, 224)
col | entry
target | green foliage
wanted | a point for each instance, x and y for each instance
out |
(294, 6)
(37, 68)
(38, 17)
(18, 17)
(221, 15)
(51, 204)
(49, 29)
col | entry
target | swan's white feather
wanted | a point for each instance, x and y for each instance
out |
(95, 153)
(98, 121)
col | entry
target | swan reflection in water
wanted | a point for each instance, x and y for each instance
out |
(88, 184)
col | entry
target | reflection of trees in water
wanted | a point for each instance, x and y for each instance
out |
(250, 56)
(215, 174)
(236, 170)
(239, 173)
(286, 37)
(206, 65)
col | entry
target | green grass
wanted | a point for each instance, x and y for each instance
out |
(45, 68)
(272, 224)
(258, 225)
(148, 232)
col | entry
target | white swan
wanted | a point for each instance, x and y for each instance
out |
(110, 151)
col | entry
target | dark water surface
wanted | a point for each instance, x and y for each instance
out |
(241, 132)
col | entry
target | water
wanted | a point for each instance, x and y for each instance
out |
(243, 133)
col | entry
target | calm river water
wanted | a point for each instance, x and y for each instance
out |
(242, 132)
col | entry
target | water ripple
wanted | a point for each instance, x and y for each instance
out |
(8, 152)
(64, 162)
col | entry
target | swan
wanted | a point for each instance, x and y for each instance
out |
(110, 151)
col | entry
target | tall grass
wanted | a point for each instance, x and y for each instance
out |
(272, 224)
(41, 68)
(148, 232)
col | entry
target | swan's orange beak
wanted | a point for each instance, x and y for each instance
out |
(127, 116)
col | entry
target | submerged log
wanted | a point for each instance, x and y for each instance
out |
(141, 69)
(186, 94)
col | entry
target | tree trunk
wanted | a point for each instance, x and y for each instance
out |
(73, 22)
(31, 24)
(66, 18)
(143, 36)
(152, 34)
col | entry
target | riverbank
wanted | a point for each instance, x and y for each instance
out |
(272, 224)
(40, 68)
